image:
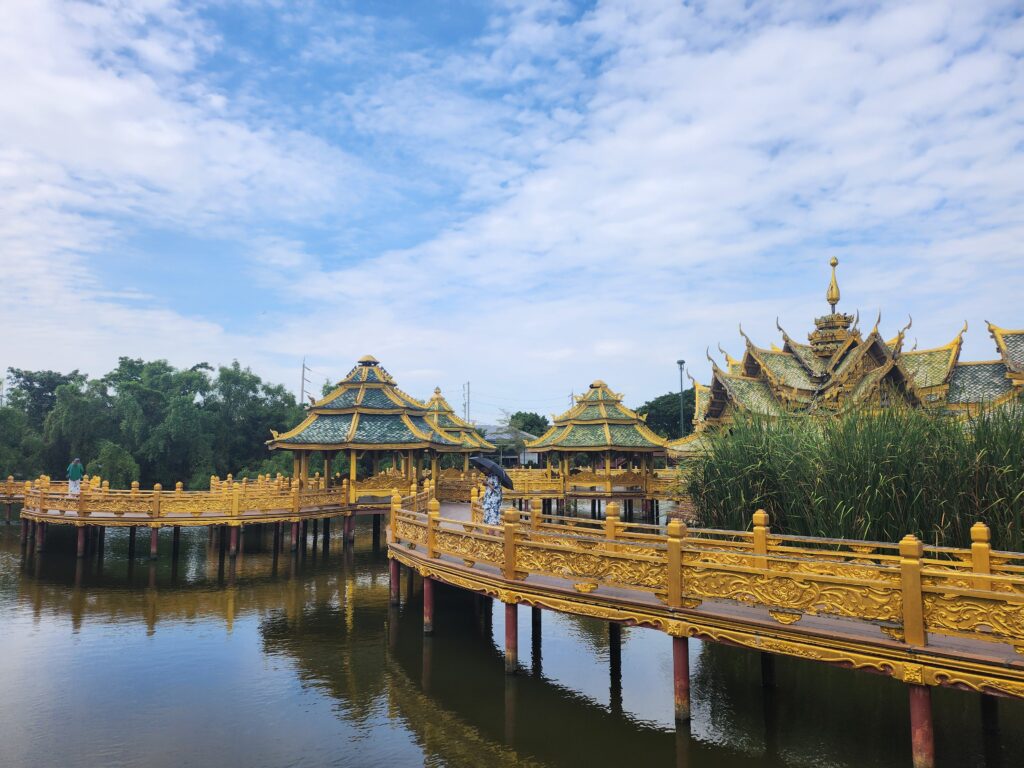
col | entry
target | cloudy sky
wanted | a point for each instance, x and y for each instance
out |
(524, 195)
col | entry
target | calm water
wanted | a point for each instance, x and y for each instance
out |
(300, 662)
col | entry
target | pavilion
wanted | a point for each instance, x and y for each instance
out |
(369, 417)
(441, 416)
(599, 425)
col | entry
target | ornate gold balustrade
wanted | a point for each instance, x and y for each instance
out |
(941, 616)
(230, 503)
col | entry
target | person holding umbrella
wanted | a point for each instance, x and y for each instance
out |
(496, 478)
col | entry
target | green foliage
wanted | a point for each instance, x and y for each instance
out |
(532, 423)
(115, 464)
(146, 420)
(663, 414)
(869, 475)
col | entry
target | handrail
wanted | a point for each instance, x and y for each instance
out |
(905, 595)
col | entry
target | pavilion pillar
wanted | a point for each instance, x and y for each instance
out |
(328, 456)
(681, 677)
(511, 638)
(419, 467)
(410, 473)
(428, 605)
(376, 463)
(353, 473)
(465, 463)
(922, 734)
(296, 465)
(433, 468)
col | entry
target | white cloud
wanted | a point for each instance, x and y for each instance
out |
(629, 185)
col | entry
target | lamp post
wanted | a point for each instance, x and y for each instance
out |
(682, 422)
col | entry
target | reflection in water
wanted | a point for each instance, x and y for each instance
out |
(277, 659)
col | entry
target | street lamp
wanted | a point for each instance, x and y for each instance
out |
(682, 422)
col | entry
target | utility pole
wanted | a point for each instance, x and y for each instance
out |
(305, 381)
(465, 401)
(682, 421)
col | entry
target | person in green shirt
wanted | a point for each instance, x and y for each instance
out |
(76, 471)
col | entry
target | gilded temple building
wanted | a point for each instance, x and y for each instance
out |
(840, 367)
(442, 417)
(369, 417)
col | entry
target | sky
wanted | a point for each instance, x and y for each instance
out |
(523, 195)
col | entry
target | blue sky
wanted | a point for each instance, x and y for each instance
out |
(525, 195)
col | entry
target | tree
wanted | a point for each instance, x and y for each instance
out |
(663, 413)
(531, 423)
(35, 392)
(115, 464)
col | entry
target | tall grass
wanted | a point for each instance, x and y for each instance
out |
(869, 475)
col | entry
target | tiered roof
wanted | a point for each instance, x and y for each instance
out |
(442, 417)
(598, 422)
(842, 368)
(367, 411)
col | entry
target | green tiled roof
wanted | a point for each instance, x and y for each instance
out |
(786, 368)
(628, 436)
(806, 356)
(753, 394)
(978, 382)
(440, 414)
(585, 436)
(375, 398)
(324, 430)
(346, 399)
(929, 367)
(1015, 349)
(867, 383)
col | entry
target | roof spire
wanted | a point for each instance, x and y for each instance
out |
(832, 294)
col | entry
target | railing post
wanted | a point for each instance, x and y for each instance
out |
(236, 500)
(611, 524)
(760, 539)
(433, 521)
(911, 550)
(156, 500)
(295, 499)
(536, 505)
(396, 506)
(676, 531)
(981, 555)
(83, 500)
(511, 517)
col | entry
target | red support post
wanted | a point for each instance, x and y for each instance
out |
(153, 542)
(396, 587)
(81, 541)
(922, 734)
(295, 536)
(511, 638)
(428, 605)
(233, 543)
(681, 677)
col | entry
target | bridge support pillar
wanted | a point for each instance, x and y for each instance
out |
(681, 677)
(535, 636)
(175, 541)
(233, 543)
(376, 532)
(350, 529)
(153, 542)
(295, 536)
(615, 667)
(511, 638)
(428, 605)
(40, 535)
(327, 534)
(131, 541)
(82, 533)
(922, 734)
(767, 670)
(394, 571)
(24, 530)
(316, 534)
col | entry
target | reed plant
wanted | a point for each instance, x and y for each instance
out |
(874, 475)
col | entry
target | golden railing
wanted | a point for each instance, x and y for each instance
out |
(909, 591)
(228, 502)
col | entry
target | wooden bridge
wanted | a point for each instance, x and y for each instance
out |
(929, 616)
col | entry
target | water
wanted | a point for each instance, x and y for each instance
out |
(300, 662)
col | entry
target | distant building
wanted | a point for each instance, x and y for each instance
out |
(841, 368)
(504, 438)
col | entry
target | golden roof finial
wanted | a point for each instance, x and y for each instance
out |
(832, 294)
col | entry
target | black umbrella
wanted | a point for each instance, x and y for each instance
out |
(492, 468)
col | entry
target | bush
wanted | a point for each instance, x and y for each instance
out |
(869, 475)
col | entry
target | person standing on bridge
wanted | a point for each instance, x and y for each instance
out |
(496, 478)
(75, 473)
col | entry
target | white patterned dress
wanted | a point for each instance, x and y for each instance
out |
(492, 501)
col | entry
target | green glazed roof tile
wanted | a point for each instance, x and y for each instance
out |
(978, 382)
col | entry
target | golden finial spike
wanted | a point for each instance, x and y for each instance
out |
(832, 294)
